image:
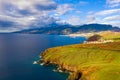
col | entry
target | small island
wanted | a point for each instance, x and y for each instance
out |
(96, 59)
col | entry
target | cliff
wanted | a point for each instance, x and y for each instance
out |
(86, 61)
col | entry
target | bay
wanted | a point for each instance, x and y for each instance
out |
(19, 51)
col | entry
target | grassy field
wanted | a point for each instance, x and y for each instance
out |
(94, 61)
(109, 35)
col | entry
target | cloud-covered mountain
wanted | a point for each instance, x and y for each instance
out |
(58, 29)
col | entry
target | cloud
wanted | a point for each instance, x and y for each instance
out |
(36, 13)
(78, 12)
(114, 23)
(28, 4)
(113, 3)
(43, 21)
(110, 16)
(114, 20)
(74, 20)
(63, 9)
(24, 13)
(107, 12)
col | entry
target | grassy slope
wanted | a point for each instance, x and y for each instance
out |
(95, 61)
(109, 35)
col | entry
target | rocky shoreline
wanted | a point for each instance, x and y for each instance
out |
(74, 74)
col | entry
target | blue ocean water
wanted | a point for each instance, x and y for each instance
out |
(19, 51)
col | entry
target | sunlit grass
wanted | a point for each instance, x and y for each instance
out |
(95, 61)
(109, 35)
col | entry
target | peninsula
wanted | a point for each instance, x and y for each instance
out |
(88, 61)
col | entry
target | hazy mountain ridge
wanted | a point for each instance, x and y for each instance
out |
(69, 29)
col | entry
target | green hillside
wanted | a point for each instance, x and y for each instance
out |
(110, 35)
(87, 61)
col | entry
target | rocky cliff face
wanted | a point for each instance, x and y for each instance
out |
(74, 74)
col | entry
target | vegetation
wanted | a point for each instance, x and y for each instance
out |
(95, 37)
(110, 35)
(87, 61)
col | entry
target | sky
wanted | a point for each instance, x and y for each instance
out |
(16, 15)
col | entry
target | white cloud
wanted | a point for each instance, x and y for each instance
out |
(113, 3)
(74, 20)
(78, 12)
(26, 12)
(114, 23)
(22, 4)
(4, 30)
(22, 7)
(63, 9)
(111, 16)
(107, 12)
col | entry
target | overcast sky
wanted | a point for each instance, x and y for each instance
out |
(23, 14)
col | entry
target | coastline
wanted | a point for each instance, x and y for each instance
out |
(79, 62)
(74, 74)
(86, 61)
(80, 35)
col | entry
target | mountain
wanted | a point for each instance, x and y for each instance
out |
(68, 29)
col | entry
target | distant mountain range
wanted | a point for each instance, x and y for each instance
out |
(69, 29)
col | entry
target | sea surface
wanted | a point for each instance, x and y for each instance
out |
(19, 51)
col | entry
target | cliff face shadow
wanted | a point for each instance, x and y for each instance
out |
(75, 76)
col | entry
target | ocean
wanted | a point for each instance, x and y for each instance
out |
(19, 51)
